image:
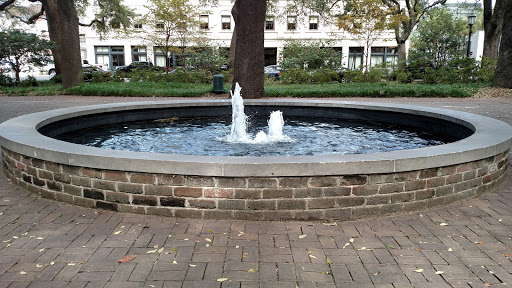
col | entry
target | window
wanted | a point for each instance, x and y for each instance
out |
(313, 22)
(355, 58)
(292, 23)
(161, 58)
(226, 22)
(139, 54)
(382, 55)
(269, 23)
(203, 22)
(137, 26)
(159, 26)
(111, 56)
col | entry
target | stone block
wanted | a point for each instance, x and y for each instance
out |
(144, 200)
(277, 193)
(321, 203)
(378, 199)
(115, 176)
(173, 201)
(142, 178)
(197, 203)
(91, 173)
(261, 204)
(195, 192)
(262, 183)
(350, 201)
(171, 180)
(415, 185)
(337, 191)
(103, 184)
(218, 192)
(93, 194)
(231, 204)
(117, 197)
(247, 193)
(312, 192)
(391, 188)
(424, 194)
(365, 190)
(327, 181)
(231, 182)
(293, 182)
(199, 181)
(131, 188)
(292, 204)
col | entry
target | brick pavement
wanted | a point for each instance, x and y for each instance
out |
(51, 244)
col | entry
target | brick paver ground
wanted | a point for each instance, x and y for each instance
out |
(50, 244)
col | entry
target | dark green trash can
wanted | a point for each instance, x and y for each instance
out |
(218, 83)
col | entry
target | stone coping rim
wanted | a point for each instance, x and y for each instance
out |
(491, 137)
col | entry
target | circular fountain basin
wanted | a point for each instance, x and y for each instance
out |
(320, 187)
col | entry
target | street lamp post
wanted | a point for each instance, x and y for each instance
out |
(471, 21)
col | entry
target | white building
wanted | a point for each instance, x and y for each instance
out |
(218, 24)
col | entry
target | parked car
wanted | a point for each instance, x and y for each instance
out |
(273, 71)
(137, 65)
(90, 71)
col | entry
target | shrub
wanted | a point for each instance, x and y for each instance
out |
(295, 76)
(354, 76)
(324, 76)
(5, 81)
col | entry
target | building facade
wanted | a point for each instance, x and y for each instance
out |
(218, 25)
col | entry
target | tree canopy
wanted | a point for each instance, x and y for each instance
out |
(20, 48)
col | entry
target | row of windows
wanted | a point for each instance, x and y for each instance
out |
(113, 56)
(204, 20)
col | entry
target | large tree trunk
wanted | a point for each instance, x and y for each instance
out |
(493, 23)
(63, 30)
(402, 55)
(249, 47)
(503, 72)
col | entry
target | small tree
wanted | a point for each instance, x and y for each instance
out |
(310, 55)
(367, 21)
(176, 25)
(439, 38)
(20, 48)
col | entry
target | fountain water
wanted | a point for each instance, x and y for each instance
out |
(239, 124)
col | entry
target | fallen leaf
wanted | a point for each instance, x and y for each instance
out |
(208, 239)
(161, 250)
(151, 251)
(418, 270)
(237, 246)
(331, 224)
(39, 238)
(303, 236)
(492, 272)
(52, 263)
(222, 279)
(240, 233)
(15, 237)
(23, 272)
(174, 262)
(211, 231)
(169, 236)
(127, 258)
(450, 249)
(173, 249)
(41, 250)
(71, 264)
(39, 265)
(345, 246)
(312, 256)
(118, 232)
(389, 246)
(439, 272)
(192, 265)
(479, 243)
(507, 255)
(444, 224)
(252, 270)
(329, 261)
(488, 285)
(351, 240)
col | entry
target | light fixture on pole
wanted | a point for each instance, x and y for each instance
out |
(471, 21)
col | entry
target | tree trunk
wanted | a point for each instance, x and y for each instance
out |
(493, 23)
(503, 72)
(249, 47)
(63, 30)
(402, 55)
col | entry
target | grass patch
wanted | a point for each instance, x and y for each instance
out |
(170, 89)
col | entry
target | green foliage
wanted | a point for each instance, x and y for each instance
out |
(20, 48)
(439, 38)
(458, 70)
(310, 55)
(295, 76)
(209, 59)
(324, 76)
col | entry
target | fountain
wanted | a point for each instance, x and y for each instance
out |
(302, 187)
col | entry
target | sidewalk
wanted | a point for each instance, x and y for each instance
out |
(51, 244)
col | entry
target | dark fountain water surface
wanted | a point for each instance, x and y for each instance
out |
(208, 136)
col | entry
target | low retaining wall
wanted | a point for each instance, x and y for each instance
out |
(340, 197)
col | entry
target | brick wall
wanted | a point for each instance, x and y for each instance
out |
(341, 197)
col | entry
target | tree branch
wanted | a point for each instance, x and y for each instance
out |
(6, 4)
(101, 22)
